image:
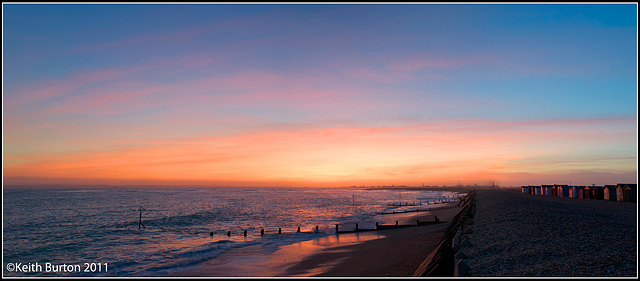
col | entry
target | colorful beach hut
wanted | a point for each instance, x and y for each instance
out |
(525, 189)
(586, 192)
(572, 192)
(538, 190)
(590, 192)
(578, 191)
(547, 189)
(562, 189)
(610, 193)
(626, 192)
(593, 192)
(596, 192)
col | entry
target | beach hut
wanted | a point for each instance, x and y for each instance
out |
(630, 192)
(546, 190)
(596, 192)
(572, 192)
(532, 189)
(563, 190)
(610, 193)
(600, 192)
(578, 191)
(558, 190)
(525, 189)
(626, 192)
(587, 193)
(590, 192)
(538, 190)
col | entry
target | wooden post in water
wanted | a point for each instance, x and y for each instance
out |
(245, 233)
(298, 229)
(140, 222)
(261, 232)
(336, 228)
(228, 233)
(279, 230)
(356, 226)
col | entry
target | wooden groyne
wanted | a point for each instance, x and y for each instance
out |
(340, 228)
(406, 204)
(447, 258)
(447, 199)
(388, 226)
(417, 210)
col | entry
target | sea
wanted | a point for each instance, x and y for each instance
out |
(155, 231)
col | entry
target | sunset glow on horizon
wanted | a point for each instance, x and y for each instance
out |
(319, 95)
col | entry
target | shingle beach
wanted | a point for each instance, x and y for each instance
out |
(526, 235)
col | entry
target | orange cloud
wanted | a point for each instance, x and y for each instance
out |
(438, 153)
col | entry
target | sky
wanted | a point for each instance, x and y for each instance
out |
(320, 94)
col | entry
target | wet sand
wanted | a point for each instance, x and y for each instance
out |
(382, 253)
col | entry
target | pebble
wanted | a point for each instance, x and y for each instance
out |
(520, 235)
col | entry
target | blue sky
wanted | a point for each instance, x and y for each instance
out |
(401, 80)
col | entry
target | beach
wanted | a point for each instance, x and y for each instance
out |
(388, 252)
(518, 234)
(514, 234)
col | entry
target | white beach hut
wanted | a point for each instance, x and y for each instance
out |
(610, 193)
(626, 192)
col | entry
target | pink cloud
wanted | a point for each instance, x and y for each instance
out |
(298, 151)
(291, 152)
(419, 66)
(429, 61)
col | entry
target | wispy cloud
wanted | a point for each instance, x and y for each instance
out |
(296, 151)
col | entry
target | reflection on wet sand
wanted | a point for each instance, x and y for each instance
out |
(256, 261)
(344, 239)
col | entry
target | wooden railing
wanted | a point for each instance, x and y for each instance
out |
(446, 259)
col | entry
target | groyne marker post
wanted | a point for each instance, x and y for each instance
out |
(140, 221)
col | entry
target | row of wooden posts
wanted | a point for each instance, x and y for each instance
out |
(427, 203)
(378, 226)
(406, 204)
(417, 210)
(262, 231)
(357, 227)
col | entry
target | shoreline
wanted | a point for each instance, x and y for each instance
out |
(381, 253)
(514, 235)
